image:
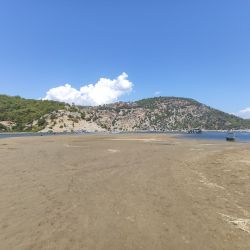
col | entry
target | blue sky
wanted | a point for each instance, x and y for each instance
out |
(197, 49)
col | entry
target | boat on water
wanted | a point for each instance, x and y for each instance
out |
(195, 131)
(230, 136)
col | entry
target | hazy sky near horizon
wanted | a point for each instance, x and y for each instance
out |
(143, 48)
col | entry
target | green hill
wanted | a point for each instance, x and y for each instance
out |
(187, 113)
(155, 114)
(24, 111)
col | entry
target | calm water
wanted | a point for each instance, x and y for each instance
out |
(240, 136)
(28, 134)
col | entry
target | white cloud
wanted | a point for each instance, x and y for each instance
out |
(157, 93)
(245, 113)
(103, 92)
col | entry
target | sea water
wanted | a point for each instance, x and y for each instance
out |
(205, 135)
(212, 135)
(7, 135)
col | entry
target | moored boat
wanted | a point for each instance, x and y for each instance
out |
(230, 136)
(195, 131)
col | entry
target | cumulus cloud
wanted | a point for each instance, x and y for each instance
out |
(245, 113)
(103, 92)
(156, 93)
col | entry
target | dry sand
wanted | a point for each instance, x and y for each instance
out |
(123, 192)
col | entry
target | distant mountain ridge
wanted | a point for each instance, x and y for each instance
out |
(154, 114)
(165, 113)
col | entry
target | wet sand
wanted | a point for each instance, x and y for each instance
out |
(124, 192)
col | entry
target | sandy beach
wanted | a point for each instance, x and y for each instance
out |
(117, 192)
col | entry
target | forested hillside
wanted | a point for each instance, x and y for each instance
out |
(154, 114)
(22, 111)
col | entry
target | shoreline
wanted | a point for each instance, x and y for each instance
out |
(217, 135)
